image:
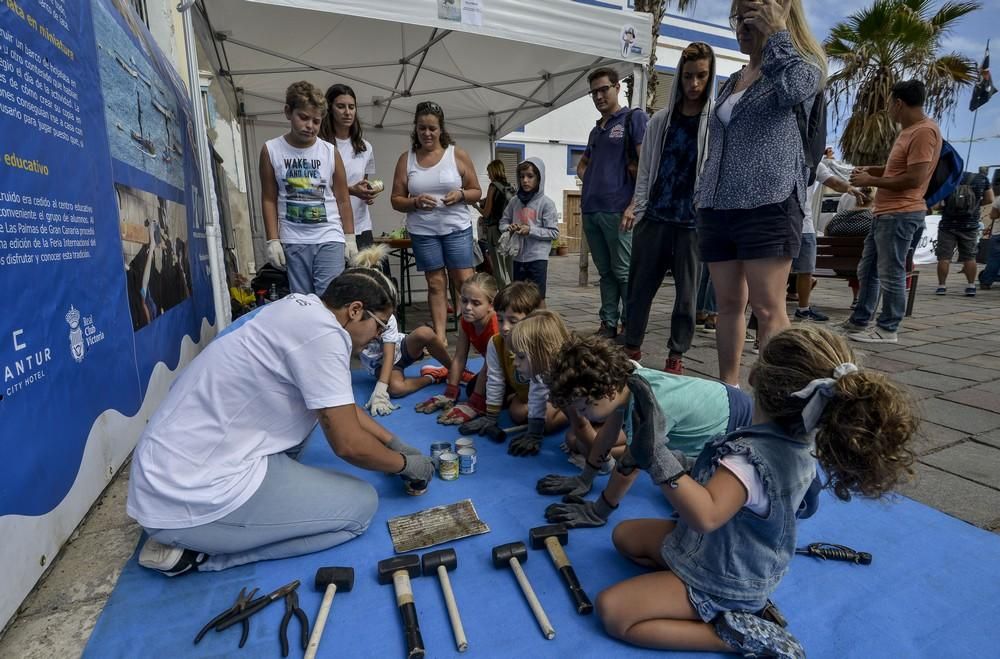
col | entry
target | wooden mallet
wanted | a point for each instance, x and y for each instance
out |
(440, 562)
(329, 580)
(398, 570)
(513, 554)
(553, 537)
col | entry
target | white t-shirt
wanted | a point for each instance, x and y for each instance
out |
(357, 167)
(725, 111)
(757, 500)
(813, 203)
(307, 208)
(252, 393)
(371, 356)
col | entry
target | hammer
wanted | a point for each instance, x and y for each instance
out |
(553, 537)
(499, 435)
(440, 562)
(398, 570)
(329, 580)
(513, 554)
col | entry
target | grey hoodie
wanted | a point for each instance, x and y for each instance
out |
(540, 214)
(656, 132)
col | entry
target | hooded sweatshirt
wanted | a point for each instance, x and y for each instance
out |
(656, 132)
(539, 212)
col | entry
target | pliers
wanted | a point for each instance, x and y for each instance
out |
(242, 601)
(292, 608)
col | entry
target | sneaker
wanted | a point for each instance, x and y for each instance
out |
(874, 335)
(756, 346)
(753, 636)
(811, 314)
(970, 291)
(674, 365)
(847, 327)
(467, 376)
(438, 374)
(607, 330)
(171, 561)
(940, 290)
(710, 323)
(635, 354)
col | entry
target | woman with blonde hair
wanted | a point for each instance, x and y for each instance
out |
(492, 207)
(752, 189)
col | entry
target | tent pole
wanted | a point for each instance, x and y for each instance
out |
(212, 237)
(639, 84)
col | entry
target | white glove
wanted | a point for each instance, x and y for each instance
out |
(379, 403)
(276, 254)
(350, 247)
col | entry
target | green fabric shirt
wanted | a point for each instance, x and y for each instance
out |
(696, 410)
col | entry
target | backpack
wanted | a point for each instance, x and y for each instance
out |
(504, 194)
(962, 202)
(946, 176)
(812, 129)
(630, 155)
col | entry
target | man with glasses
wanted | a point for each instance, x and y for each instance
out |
(608, 171)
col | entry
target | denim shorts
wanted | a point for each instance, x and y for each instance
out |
(745, 234)
(740, 409)
(805, 262)
(452, 251)
(708, 607)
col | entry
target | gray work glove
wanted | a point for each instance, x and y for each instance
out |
(416, 467)
(572, 485)
(479, 425)
(652, 456)
(398, 445)
(530, 442)
(576, 512)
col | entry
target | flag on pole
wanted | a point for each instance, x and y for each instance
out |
(984, 89)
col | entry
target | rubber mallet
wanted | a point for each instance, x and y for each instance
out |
(440, 562)
(499, 435)
(552, 537)
(398, 570)
(328, 580)
(513, 554)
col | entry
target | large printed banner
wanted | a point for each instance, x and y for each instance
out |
(103, 261)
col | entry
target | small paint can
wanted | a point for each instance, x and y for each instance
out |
(464, 442)
(437, 448)
(448, 466)
(467, 460)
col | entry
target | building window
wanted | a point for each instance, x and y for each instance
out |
(573, 155)
(139, 7)
(511, 155)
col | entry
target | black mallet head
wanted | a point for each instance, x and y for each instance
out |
(538, 535)
(503, 553)
(432, 560)
(388, 567)
(342, 577)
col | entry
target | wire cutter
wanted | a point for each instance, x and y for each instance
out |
(242, 602)
(292, 608)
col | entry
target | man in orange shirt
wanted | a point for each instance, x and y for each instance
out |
(900, 210)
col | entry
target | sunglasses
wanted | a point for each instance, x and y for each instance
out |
(382, 326)
(429, 106)
(600, 91)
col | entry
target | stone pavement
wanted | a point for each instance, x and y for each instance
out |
(948, 356)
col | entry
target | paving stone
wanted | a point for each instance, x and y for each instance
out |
(965, 499)
(976, 462)
(931, 437)
(887, 364)
(916, 358)
(946, 350)
(959, 417)
(60, 634)
(931, 380)
(992, 438)
(965, 371)
(109, 511)
(985, 400)
(983, 361)
(919, 393)
(989, 386)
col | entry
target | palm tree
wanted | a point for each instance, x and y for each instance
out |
(892, 40)
(658, 8)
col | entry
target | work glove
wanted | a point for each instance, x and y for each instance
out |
(416, 468)
(464, 412)
(652, 456)
(350, 247)
(480, 425)
(276, 254)
(576, 512)
(398, 445)
(571, 485)
(443, 401)
(530, 442)
(379, 403)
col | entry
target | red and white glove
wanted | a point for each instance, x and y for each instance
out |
(465, 412)
(443, 401)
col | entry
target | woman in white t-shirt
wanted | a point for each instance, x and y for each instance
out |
(433, 183)
(342, 128)
(215, 480)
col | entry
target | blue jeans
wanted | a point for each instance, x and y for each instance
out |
(611, 249)
(705, 302)
(992, 270)
(296, 510)
(883, 268)
(311, 268)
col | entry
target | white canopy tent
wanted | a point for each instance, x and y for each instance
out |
(504, 64)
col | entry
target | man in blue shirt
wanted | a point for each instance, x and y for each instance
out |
(608, 170)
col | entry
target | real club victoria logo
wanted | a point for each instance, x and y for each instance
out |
(75, 334)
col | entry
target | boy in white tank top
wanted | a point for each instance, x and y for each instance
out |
(308, 220)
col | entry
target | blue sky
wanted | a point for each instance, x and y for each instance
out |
(968, 39)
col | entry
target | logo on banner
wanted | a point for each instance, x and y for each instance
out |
(75, 334)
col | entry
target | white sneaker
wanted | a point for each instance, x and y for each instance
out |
(171, 561)
(874, 335)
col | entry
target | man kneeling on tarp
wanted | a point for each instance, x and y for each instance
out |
(215, 481)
